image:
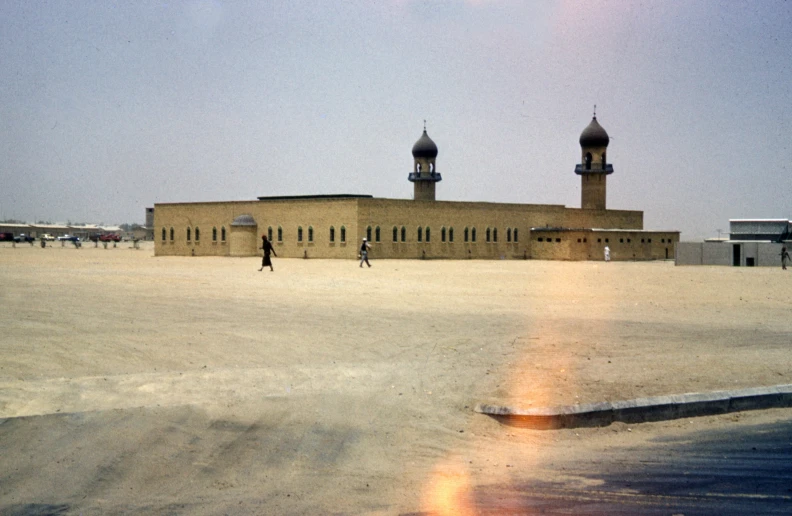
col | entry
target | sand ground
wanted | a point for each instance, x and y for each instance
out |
(177, 385)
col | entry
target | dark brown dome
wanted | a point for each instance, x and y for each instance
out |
(594, 135)
(424, 147)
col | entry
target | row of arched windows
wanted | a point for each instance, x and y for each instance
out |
(194, 231)
(423, 234)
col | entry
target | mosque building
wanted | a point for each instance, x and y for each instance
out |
(332, 226)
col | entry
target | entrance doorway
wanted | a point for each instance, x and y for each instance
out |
(736, 255)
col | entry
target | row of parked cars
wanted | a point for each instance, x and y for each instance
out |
(46, 237)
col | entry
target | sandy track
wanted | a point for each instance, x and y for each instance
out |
(200, 385)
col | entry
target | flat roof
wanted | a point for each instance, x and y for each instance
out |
(323, 196)
(758, 220)
(615, 230)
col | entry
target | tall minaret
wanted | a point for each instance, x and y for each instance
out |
(424, 174)
(594, 168)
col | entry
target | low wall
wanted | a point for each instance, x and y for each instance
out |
(751, 254)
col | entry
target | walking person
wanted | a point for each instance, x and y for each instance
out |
(267, 247)
(364, 248)
(784, 257)
(607, 253)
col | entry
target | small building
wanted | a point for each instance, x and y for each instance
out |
(751, 243)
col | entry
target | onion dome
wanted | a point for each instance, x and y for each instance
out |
(424, 147)
(594, 135)
(244, 220)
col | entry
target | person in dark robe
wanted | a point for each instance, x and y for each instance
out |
(267, 247)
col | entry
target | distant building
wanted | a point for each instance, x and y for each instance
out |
(332, 226)
(751, 243)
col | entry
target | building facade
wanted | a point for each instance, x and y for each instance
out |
(332, 226)
(751, 243)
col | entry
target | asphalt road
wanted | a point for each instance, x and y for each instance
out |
(736, 471)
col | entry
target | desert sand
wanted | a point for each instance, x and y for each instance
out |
(131, 383)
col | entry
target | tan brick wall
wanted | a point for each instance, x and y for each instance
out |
(590, 245)
(289, 215)
(356, 215)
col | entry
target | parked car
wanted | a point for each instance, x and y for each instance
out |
(109, 237)
(24, 238)
(47, 237)
(68, 238)
(7, 237)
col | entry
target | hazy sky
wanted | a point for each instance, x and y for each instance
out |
(109, 107)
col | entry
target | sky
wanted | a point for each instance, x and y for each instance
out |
(107, 108)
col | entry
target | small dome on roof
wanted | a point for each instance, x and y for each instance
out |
(594, 135)
(244, 220)
(424, 147)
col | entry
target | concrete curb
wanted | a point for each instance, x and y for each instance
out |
(656, 408)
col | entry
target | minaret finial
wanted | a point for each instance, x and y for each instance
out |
(424, 125)
(595, 111)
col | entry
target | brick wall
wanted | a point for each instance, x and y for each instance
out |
(357, 215)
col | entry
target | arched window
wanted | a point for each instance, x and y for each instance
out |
(420, 234)
(403, 234)
(377, 234)
(197, 234)
(395, 234)
(443, 234)
(164, 233)
(299, 233)
(222, 233)
(189, 234)
(603, 161)
(280, 234)
(171, 234)
(488, 234)
(494, 234)
(450, 234)
(473, 235)
(269, 233)
(368, 233)
(310, 233)
(214, 234)
(508, 234)
(428, 234)
(332, 234)
(588, 161)
(343, 234)
(467, 234)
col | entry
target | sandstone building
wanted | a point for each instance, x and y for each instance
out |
(332, 226)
